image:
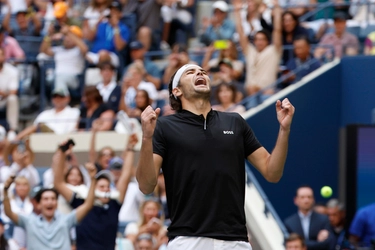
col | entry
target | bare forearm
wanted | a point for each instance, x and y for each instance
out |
(27, 131)
(119, 42)
(7, 208)
(58, 169)
(92, 152)
(276, 161)
(146, 174)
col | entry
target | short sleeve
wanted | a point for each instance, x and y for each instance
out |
(76, 202)
(251, 143)
(131, 229)
(125, 34)
(358, 224)
(71, 219)
(22, 221)
(158, 142)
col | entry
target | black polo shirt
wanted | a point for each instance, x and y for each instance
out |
(203, 165)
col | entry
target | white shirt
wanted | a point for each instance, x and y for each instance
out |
(131, 93)
(8, 78)
(16, 6)
(305, 222)
(105, 91)
(132, 202)
(63, 122)
(68, 61)
(93, 15)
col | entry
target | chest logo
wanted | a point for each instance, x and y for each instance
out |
(228, 132)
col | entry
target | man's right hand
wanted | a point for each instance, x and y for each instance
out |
(323, 235)
(148, 118)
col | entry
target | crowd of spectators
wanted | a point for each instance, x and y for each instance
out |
(103, 76)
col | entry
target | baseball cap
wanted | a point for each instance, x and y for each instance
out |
(116, 5)
(60, 91)
(60, 9)
(105, 174)
(220, 5)
(339, 15)
(116, 163)
(136, 45)
(76, 31)
(34, 191)
(3, 133)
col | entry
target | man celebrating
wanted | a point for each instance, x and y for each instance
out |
(201, 152)
(50, 230)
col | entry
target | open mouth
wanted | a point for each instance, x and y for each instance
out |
(200, 81)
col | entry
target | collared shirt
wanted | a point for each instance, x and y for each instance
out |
(12, 48)
(53, 235)
(305, 222)
(340, 44)
(105, 91)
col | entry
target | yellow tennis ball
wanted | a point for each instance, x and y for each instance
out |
(326, 191)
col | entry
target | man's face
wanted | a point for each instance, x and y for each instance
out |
(335, 216)
(107, 74)
(60, 102)
(219, 15)
(144, 245)
(48, 204)
(21, 20)
(102, 185)
(137, 54)
(260, 41)
(294, 245)
(340, 26)
(304, 199)
(194, 83)
(301, 49)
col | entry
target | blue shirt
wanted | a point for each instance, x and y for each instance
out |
(98, 230)
(43, 235)
(306, 69)
(224, 32)
(363, 224)
(104, 37)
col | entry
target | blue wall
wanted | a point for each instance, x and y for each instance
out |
(313, 149)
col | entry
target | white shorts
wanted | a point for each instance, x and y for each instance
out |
(202, 243)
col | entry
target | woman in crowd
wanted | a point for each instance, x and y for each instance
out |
(94, 108)
(142, 100)
(19, 160)
(229, 53)
(226, 96)
(97, 10)
(150, 222)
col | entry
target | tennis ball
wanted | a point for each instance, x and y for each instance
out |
(326, 191)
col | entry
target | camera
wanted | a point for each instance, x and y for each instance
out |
(57, 27)
(66, 146)
(21, 148)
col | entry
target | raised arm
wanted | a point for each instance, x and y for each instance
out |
(271, 166)
(237, 7)
(92, 151)
(76, 40)
(58, 166)
(127, 167)
(277, 29)
(7, 209)
(85, 208)
(6, 21)
(149, 163)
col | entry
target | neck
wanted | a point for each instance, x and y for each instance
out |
(198, 107)
(22, 198)
(339, 34)
(59, 109)
(304, 211)
(303, 58)
(49, 219)
(105, 83)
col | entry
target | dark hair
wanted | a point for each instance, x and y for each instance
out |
(174, 101)
(106, 65)
(38, 195)
(91, 92)
(229, 86)
(95, 5)
(295, 18)
(3, 242)
(294, 237)
(302, 38)
(266, 33)
(70, 170)
(304, 186)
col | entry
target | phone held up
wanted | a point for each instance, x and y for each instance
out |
(67, 145)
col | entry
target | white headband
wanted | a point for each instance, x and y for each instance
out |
(179, 73)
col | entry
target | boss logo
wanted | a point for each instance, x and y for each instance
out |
(228, 132)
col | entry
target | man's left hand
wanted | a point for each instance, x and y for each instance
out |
(285, 111)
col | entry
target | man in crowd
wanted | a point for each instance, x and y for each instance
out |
(362, 229)
(108, 88)
(69, 57)
(50, 229)
(99, 229)
(342, 42)
(295, 242)
(61, 119)
(8, 91)
(313, 227)
(336, 216)
(110, 38)
(27, 24)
